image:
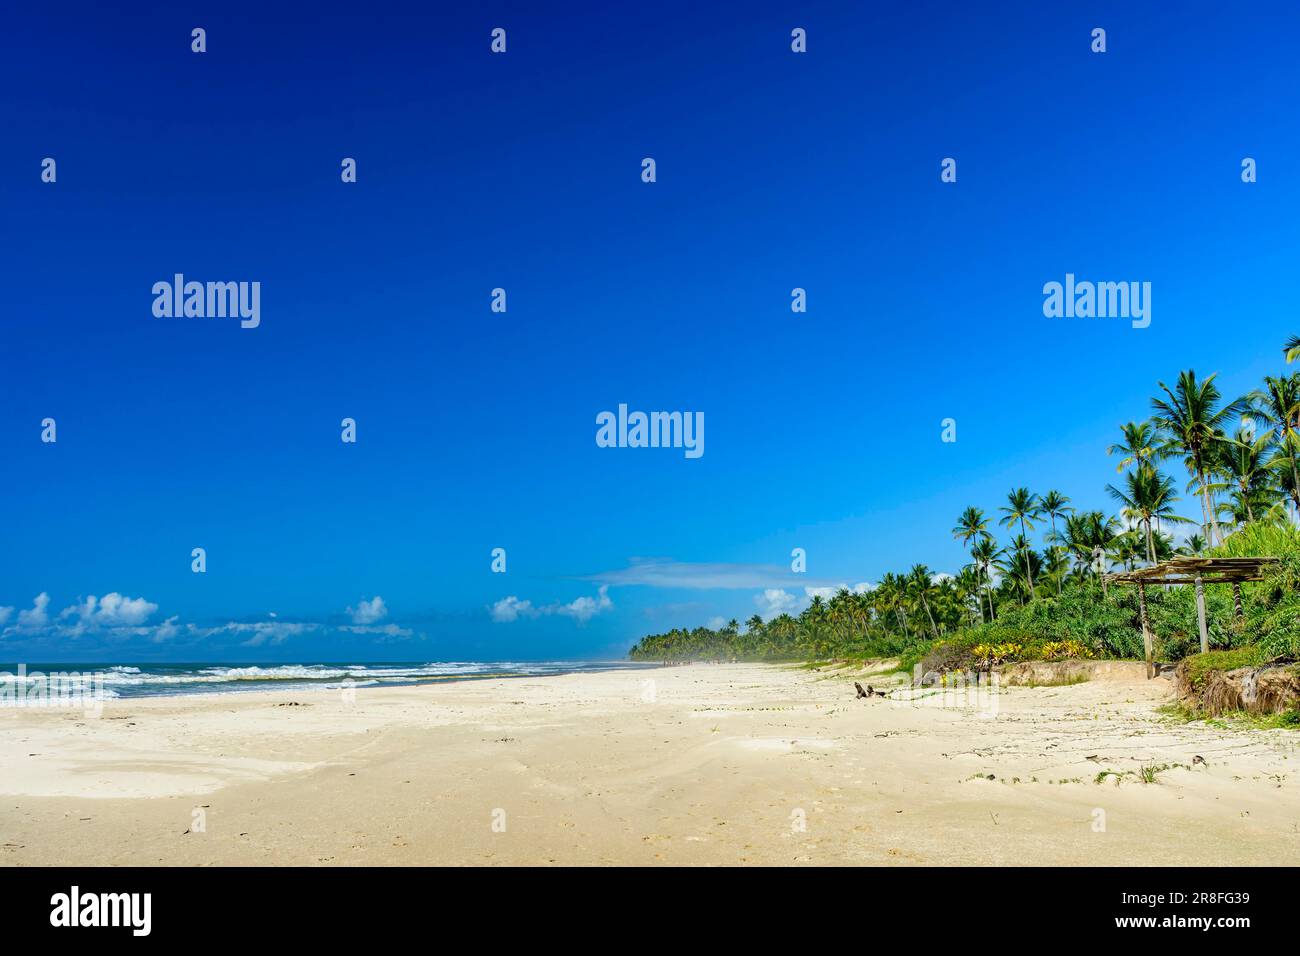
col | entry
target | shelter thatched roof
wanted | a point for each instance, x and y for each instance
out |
(1185, 570)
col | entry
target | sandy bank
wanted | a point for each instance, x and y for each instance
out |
(707, 764)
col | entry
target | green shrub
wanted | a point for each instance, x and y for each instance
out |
(1199, 665)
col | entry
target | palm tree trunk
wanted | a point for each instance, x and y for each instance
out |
(1295, 478)
(926, 604)
(1205, 511)
(1058, 580)
(1029, 571)
(1209, 509)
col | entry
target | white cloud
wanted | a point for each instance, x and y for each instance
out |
(386, 630)
(269, 632)
(511, 608)
(36, 616)
(716, 623)
(166, 630)
(826, 593)
(774, 602)
(667, 573)
(113, 615)
(368, 612)
(119, 618)
(582, 610)
(112, 610)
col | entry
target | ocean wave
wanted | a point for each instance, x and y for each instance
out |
(153, 679)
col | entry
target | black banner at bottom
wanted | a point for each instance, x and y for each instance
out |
(341, 905)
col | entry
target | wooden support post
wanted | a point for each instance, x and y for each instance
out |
(1146, 630)
(1236, 603)
(1200, 614)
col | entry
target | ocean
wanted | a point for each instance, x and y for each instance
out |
(152, 680)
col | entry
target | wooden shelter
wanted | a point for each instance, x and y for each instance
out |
(1198, 572)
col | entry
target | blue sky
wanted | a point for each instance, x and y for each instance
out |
(775, 170)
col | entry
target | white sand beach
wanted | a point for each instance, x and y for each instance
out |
(737, 764)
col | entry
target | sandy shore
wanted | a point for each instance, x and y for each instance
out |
(731, 764)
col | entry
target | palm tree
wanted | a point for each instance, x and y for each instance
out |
(919, 584)
(1091, 536)
(1241, 462)
(1053, 504)
(1193, 421)
(1277, 406)
(1280, 466)
(985, 551)
(1194, 545)
(1164, 544)
(1076, 539)
(1056, 567)
(1292, 348)
(969, 584)
(816, 610)
(972, 526)
(1126, 548)
(890, 591)
(1140, 446)
(1022, 506)
(1147, 496)
(1019, 566)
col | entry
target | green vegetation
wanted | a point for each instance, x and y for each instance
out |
(1199, 665)
(1048, 599)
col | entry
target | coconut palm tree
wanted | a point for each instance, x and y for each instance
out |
(1075, 539)
(890, 592)
(1127, 547)
(1284, 476)
(1021, 564)
(1056, 567)
(1192, 421)
(1140, 446)
(1147, 496)
(972, 526)
(985, 552)
(969, 584)
(1242, 462)
(1292, 348)
(1054, 504)
(1022, 506)
(919, 584)
(1276, 406)
(1099, 532)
